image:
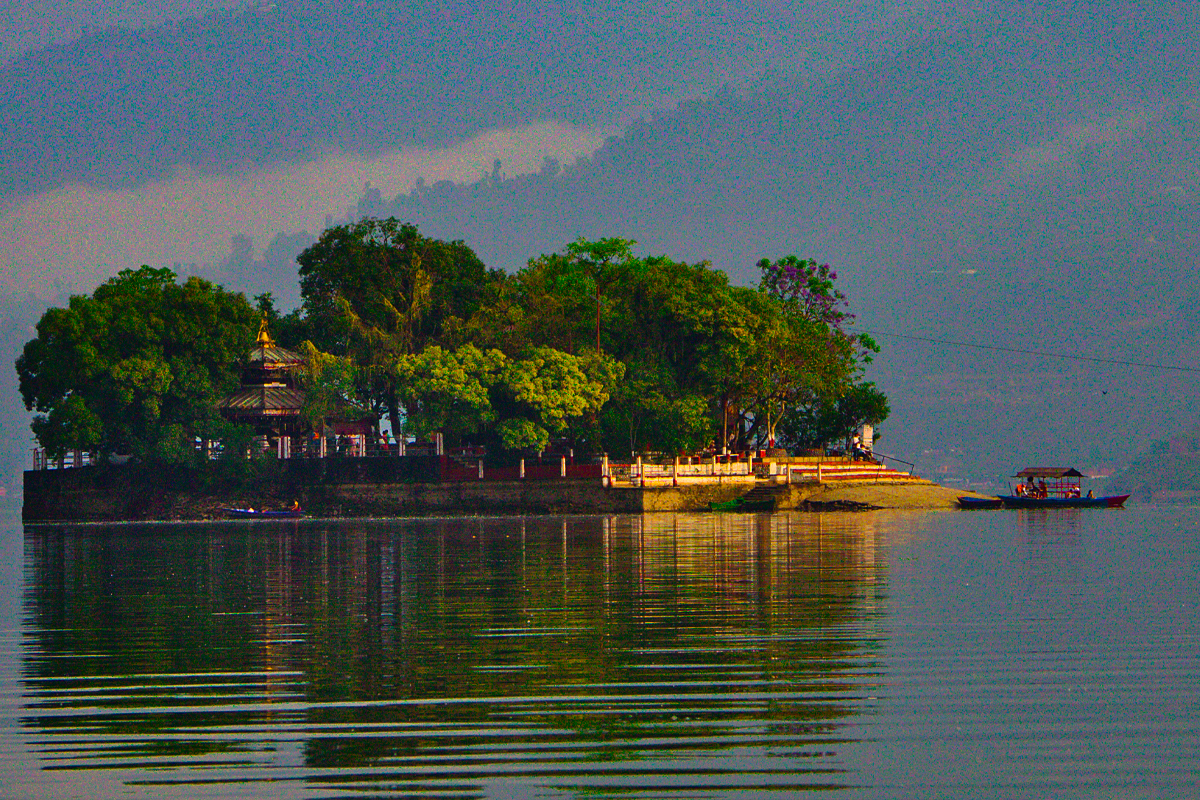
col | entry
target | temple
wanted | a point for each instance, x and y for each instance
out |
(269, 400)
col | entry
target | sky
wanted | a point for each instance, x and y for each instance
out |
(979, 171)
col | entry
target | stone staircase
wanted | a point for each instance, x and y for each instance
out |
(765, 492)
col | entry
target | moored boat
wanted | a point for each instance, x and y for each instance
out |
(1111, 501)
(980, 502)
(1046, 487)
(257, 513)
(744, 505)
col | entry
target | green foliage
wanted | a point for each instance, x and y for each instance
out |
(137, 367)
(377, 290)
(330, 385)
(592, 345)
(554, 387)
(448, 391)
(519, 434)
(703, 362)
(833, 420)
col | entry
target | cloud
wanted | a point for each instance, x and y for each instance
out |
(80, 236)
(234, 91)
(33, 24)
(1075, 139)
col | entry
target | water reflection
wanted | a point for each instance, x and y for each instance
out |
(644, 655)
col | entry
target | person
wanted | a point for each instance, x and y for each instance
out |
(295, 505)
(1041, 488)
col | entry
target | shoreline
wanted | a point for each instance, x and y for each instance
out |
(87, 495)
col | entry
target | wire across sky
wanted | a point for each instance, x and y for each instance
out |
(1043, 353)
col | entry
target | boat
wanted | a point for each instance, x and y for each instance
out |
(257, 513)
(1046, 487)
(980, 502)
(744, 505)
(1112, 501)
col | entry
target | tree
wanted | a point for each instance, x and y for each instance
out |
(597, 259)
(137, 367)
(836, 419)
(376, 290)
(547, 390)
(448, 390)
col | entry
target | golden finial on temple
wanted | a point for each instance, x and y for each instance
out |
(264, 336)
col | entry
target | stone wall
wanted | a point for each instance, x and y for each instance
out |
(96, 494)
(129, 493)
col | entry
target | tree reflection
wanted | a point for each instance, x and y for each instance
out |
(648, 652)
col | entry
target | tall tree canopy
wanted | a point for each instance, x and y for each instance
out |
(377, 290)
(702, 362)
(137, 367)
(607, 350)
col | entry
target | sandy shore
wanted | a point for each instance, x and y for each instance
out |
(911, 495)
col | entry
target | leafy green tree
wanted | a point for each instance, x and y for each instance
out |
(597, 260)
(329, 383)
(831, 420)
(550, 390)
(137, 367)
(376, 290)
(448, 390)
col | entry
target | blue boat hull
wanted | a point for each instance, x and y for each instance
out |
(250, 513)
(1013, 501)
(1114, 501)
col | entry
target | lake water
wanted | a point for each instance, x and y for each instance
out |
(1008, 654)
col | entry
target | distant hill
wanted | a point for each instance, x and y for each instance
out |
(965, 194)
(1166, 471)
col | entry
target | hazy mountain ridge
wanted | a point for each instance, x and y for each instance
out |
(233, 91)
(1026, 178)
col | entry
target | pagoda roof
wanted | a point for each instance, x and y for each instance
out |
(270, 355)
(274, 357)
(269, 401)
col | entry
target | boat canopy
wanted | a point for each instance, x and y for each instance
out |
(1056, 473)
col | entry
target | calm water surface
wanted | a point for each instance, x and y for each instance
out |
(883, 654)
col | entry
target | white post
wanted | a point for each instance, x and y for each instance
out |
(481, 469)
(675, 472)
(641, 475)
(522, 469)
(820, 473)
(562, 466)
(401, 441)
(437, 444)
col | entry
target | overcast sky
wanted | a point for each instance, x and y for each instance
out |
(945, 154)
(192, 122)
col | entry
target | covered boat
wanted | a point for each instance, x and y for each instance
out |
(1048, 487)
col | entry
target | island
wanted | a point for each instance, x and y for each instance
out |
(413, 379)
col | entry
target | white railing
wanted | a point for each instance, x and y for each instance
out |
(640, 473)
(70, 460)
